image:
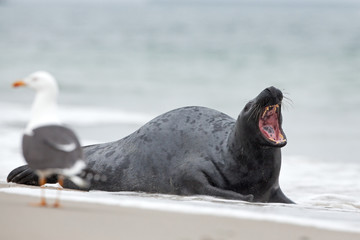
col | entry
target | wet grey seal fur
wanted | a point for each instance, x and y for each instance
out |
(194, 151)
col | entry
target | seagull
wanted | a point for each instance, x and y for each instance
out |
(48, 146)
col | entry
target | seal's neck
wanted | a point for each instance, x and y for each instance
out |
(237, 142)
(250, 157)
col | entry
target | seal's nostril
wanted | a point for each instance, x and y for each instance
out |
(272, 89)
(274, 92)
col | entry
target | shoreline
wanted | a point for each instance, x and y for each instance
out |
(89, 221)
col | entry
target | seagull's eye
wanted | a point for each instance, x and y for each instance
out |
(34, 79)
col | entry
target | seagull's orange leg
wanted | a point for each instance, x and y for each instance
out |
(42, 182)
(61, 182)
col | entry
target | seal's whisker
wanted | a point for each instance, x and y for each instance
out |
(255, 112)
(287, 102)
(252, 113)
(288, 99)
(258, 110)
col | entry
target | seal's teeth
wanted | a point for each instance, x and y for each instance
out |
(274, 108)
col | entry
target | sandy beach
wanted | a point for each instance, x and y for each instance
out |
(81, 220)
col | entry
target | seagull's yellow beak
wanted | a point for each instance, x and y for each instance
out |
(19, 83)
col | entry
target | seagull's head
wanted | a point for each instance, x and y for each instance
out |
(39, 81)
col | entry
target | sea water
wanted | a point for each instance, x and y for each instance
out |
(121, 63)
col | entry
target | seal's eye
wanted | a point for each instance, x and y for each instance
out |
(247, 106)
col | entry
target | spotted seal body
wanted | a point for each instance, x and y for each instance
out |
(195, 151)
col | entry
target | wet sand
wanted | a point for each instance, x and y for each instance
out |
(82, 220)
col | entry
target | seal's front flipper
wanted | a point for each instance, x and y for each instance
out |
(199, 184)
(227, 194)
(25, 175)
(279, 197)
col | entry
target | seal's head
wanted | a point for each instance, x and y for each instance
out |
(261, 119)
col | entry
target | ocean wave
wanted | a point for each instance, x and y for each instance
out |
(19, 115)
(334, 201)
(316, 183)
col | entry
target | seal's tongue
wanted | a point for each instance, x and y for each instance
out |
(269, 124)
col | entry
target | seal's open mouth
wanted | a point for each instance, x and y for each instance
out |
(269, 124)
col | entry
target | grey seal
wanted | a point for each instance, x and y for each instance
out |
(195, 151)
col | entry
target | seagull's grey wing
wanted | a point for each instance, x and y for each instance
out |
(60, 139)
(51, 146)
